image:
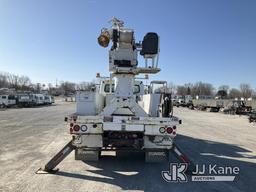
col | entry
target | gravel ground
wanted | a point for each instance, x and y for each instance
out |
(30, 136)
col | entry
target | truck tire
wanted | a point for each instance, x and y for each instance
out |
(87, 155)
(156, 156)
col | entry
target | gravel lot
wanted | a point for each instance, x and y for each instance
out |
(29, 137)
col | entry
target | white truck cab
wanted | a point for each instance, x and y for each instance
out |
(7, 100)
(48, 99)
(38, 99)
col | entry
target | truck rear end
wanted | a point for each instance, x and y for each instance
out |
(93, 134)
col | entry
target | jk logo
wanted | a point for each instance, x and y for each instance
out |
(176, 173)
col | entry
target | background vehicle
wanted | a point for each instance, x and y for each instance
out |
(238, 107)
(25, 99)
(7, 100)
(252, 116)
(48, 99)
(38, 99)
(183, 101)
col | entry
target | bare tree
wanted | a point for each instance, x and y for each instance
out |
(224, 88)
(12, 80)
(38, 87)
(49, 86)
(189, 87)
(201, 88)
(67, 88)
(181, 90)
(8, 80)
(254, 94)
(246, 90)
(3, 80)
(171, 87)
(24, 83)
(85, 86)
(234, 93)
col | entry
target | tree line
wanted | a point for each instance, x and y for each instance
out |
(8, 80)
(207, 89)
(23, 83)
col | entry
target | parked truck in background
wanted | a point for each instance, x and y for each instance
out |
(25, 99)
(7, 100)
(48, 99)
(238, 107)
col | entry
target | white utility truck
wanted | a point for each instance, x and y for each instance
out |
(119, 114)
(7, 100)
(48, 99)
(38, 99)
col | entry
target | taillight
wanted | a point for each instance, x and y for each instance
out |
(169, 130)
(76, 128)
(71, 124)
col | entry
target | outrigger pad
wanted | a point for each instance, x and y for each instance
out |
(60, 156)
(43, 171)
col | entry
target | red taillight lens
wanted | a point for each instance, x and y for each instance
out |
(71, 124)
(169, 130)
(71, 129)
(76, 128)
(174, 127)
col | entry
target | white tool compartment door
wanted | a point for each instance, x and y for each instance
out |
(86, 103)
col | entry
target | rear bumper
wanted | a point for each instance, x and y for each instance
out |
(124, 132)
(141, 142)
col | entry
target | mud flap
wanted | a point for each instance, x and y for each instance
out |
(156, 156)
(87, 155)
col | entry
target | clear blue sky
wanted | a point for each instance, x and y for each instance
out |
(201, 40)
